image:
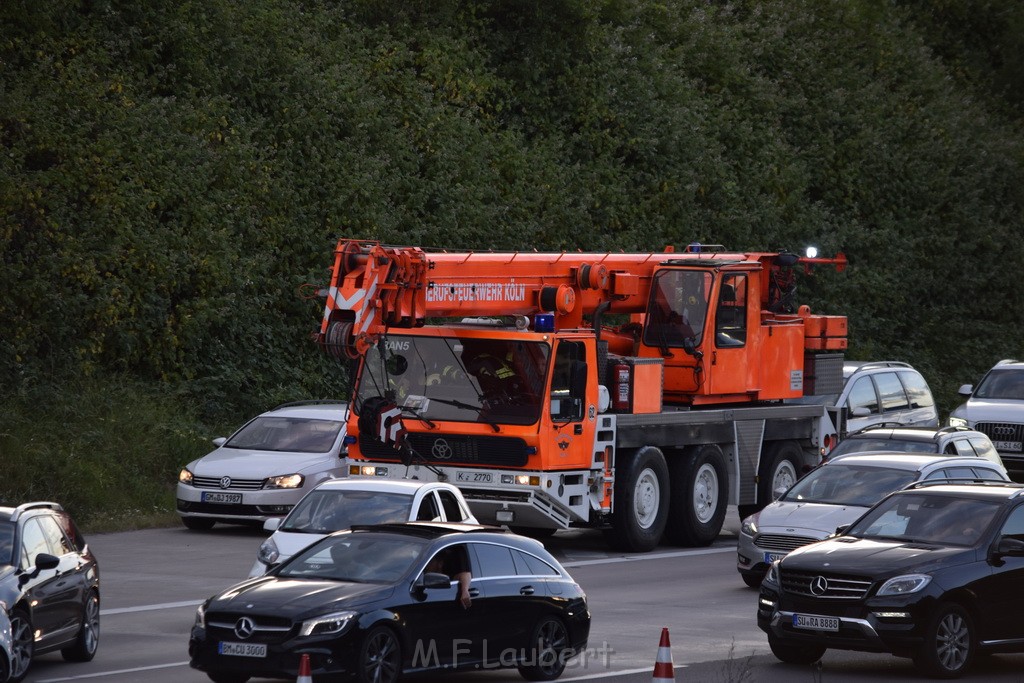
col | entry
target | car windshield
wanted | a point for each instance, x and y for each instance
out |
(927, 518)
(1006, 384)
(324, 511)
(6, 543)
(358, 557)
(871, 443)
(839, 484)
(464, 380)
(287, 434)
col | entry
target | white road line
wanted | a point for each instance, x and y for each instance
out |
(609, 674)
(150, 608)
(104, 674)
(639, 558)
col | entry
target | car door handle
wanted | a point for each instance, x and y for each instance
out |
(526, 590)
(474, 592)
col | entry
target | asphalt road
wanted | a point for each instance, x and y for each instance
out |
(153, 579)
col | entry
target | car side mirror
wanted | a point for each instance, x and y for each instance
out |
(859, 411)
(272, 524)
(436, 580)
(841, 529)
(777, 493)
(43, 561)
(966, 390)
(220, 441)
(1011, 547)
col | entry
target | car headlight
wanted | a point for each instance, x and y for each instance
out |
(904, 585)
(328, 624)
(201, 616)
(185, 477)
(957, 422)
(772, 575)
(749, 526)
(268, 553)
(285, 481)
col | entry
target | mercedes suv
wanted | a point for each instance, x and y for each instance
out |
(932, 572)
(996, 407)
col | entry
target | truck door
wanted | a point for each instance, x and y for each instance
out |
(730, 344)
(568, 406)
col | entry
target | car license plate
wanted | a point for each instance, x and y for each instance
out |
(1007, 445)
(477, 477)
(815, 622)
(217, 497)
(773, 557)
(242, 649)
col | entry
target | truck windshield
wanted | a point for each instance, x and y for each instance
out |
(458, 379)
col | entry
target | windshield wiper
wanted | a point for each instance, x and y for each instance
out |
(419, 416)
(467, 406)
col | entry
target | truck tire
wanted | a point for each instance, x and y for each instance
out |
(781, 466)
(699, 498)
(641, 501)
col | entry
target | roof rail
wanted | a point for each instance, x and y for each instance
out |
(925, 483)
(949, 429)
(312, 402)
(37, 505)
(873, 364)
(878, 425)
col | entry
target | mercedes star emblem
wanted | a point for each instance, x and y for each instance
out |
(244, 627)
(819, 585)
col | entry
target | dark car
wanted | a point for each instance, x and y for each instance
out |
(361, 604)
(902, 439)
(50, 583)
(932, 572)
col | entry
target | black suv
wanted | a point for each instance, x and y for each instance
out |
(932, 572)
(50, 583)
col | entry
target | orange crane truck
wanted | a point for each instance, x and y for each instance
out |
(640, 393)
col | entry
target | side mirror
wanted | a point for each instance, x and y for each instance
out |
(43, 561)
(966, 390)
(436, 580)
(1011, 547)
(841, 529)
(777, 493)
(272, 524)
(220, 441)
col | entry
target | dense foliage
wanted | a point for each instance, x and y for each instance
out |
(172, 172)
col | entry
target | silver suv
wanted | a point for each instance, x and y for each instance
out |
(996, 407)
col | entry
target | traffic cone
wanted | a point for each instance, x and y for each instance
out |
(663, 664)
(304, 675)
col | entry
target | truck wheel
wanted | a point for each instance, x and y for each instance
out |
(641, 501)
(780, 469)
(700, 494)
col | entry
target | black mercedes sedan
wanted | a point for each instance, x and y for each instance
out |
(372, 603)
(932, 572)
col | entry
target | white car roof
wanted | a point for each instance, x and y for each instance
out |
(380, 485)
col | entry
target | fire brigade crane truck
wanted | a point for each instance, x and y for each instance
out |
(640, 393)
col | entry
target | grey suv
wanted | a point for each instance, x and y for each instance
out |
(876, 392)
(995, 407)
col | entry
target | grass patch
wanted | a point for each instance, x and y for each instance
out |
(108, 450)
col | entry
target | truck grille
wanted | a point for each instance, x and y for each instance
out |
(823, 585)
(455, 449)
(782, 542)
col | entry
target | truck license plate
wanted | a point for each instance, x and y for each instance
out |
(242, 649)
(815, 622)
(217, 497)
(474, 477)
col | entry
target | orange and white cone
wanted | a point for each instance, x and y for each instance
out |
(663, 664)
(304, 675)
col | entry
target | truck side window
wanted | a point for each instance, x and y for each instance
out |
(568, 382)
(731, 316)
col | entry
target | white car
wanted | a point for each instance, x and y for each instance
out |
(996, 408)
(266, 467)
(343, 503)
(837, 493)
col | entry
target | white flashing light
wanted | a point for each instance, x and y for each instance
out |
(812, 252)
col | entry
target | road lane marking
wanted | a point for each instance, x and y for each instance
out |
(608, 674)
(104, 674)
(640, 558)
(149, 608)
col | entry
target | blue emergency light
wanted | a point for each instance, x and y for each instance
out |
(544, 322)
